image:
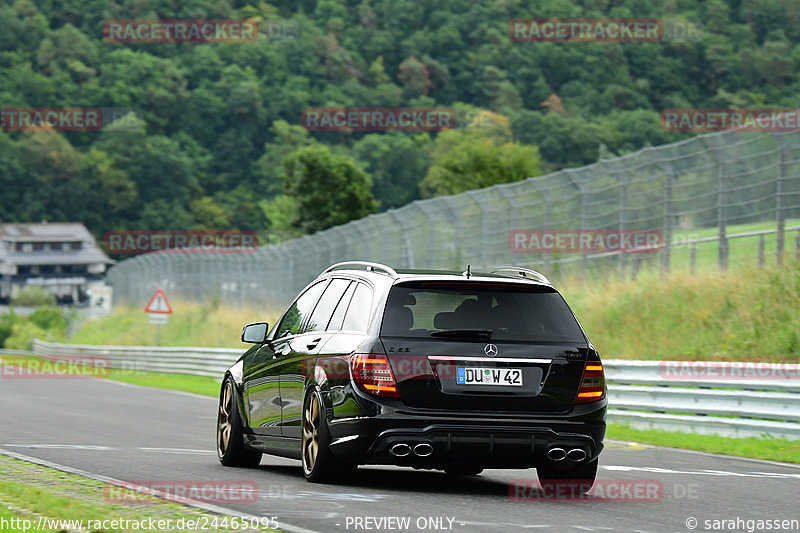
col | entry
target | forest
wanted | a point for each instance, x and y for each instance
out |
(215, 139)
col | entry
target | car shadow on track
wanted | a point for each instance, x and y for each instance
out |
(403, 479)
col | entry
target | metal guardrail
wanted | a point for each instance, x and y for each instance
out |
(646, 395)
(15, 352)
(641, 393)
(211, 362)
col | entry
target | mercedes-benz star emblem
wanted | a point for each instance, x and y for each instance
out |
(490, 350)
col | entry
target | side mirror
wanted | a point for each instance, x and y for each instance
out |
(255, 333)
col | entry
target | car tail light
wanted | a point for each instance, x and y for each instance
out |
(373, 374)
(593, 383)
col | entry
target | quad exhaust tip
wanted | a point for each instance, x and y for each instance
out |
(400, 450)
(423, 449)
(576, 455)
(556, 454)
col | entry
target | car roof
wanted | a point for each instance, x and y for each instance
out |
(375, 271)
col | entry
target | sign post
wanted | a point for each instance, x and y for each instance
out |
(158, 310)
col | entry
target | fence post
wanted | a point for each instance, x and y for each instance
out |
(797, 245)
(666, 252)
(408, 254)
(637, 264)
(761, 251)
(583, 192)
(722, 250)
(513, 214)
(623, 200)
(692, 258)
(476, 197)
(779, 214)
(548, 220)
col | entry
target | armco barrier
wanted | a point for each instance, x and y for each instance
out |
(639, 394)
(210, 362)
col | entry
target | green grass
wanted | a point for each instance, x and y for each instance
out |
(787, 451)
(191, 324)
(195, 384)
(749, 315)
(206, 386)
(743, 251)
(56, 495)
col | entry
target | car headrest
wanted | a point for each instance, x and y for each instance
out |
(404, 318)
(444, 320)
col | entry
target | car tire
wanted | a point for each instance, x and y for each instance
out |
(319, 464)
(230, 438)
(581, 477)
(463, 470)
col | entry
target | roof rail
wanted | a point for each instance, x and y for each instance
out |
(362, 265)
(519, 272)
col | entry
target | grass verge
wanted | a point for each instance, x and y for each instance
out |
(195, 384)
(206, 386)
(57, 501)
(191, 324)
(771, 449)
(749, 315)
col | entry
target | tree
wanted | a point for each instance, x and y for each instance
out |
(329, 189)
(482, 155)
(397, 163)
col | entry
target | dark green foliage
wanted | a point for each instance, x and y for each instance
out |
(219, 120)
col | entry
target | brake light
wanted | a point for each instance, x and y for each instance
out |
(593, 383)
(372, 374)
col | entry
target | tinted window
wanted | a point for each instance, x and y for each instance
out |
(300, 309)
(330, 298)
(358, 312)
(512, 313)
(338, 315)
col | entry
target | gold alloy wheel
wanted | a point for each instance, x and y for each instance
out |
(224, 425)
(311, 424)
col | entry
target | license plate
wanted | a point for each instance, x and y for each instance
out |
(470, 375)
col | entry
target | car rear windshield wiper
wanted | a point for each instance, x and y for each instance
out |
(485, 333)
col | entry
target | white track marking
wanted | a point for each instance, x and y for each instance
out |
(657, 470)
(124, 484)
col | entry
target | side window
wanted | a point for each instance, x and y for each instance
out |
(358, 313)
(300, 309)
(322, 313)
(338, 316)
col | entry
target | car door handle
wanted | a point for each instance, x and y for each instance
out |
(313, 344)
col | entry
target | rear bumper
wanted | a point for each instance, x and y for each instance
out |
(496, 443)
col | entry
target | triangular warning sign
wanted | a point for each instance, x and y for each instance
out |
(159, 304)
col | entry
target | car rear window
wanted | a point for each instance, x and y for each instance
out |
(514, 313)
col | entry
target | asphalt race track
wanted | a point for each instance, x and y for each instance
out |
(135, 433)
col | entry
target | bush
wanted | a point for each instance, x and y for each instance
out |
(23, 333)
(7, 321)
(48, 317)
(33, 297)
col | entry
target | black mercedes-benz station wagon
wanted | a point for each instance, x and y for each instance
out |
(458, 371)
